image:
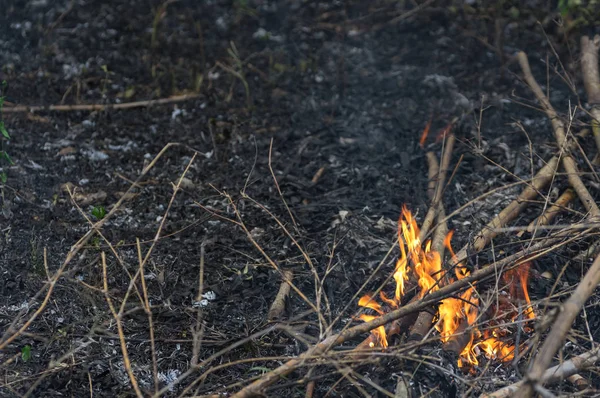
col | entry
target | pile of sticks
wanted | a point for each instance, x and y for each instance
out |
(417, 315)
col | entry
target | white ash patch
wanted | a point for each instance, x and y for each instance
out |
(169, 377)
(94, 155)
(206, 299)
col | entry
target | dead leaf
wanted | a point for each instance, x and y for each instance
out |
(68, 186)
(84, 199)
(127, 196)
(67, 151)
(278, 93)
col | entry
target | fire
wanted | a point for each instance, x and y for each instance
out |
(425, 133)
(444, 132)
(367, 302)
(456, 315)
(426, 265)
(378, 333)
(520, 291)
(455, 310)
(497, 349)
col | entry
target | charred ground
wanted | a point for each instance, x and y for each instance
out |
(335, 85)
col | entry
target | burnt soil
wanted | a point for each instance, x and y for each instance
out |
(337, 86)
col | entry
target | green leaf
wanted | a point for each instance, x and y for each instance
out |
(3, 177)
(99, 212)
(6, 156)
(3, 130)
(26, 353)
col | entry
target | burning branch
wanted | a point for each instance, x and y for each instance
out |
(436, 200)
(435, 189)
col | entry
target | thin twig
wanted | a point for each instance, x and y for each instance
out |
(550, 213)
(278, 304)
(99, 107)
(117, 317)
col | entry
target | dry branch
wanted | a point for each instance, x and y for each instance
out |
(560, 329)
(539, 181)
(278, 304)
(561, 138)
(554, 374)
(591, 81)
(550, 213)
(512, 261)
(579, 382)
(589, 68)
(99, 107)
(439, 190)
(395, 327)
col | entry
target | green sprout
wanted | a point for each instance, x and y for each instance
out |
(26, 353)
(99, 212)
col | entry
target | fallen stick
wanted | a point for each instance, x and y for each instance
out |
(550, 213)
(591, 81)
(459, 340)
(561, 138)
(435, 189)
(99, 107)
(424, 321)
(393, 328)
(560, 329)
(484, 273)
(463, 335)
(439, 190)
(278, 304)
(510, 212)
(579, 382)
(554, 374)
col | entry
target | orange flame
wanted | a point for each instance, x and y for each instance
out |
(367, 302)
(425, 133)
(497, 349)
(378, 333)
(426, 263)
(443, 133)
(520, 291)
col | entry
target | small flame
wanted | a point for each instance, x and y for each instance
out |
(378, 333)
(519, 291)
(426, 263)
(425, 133)
(497, 349)
(391, 302)
(368, 302)
(443, 133)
